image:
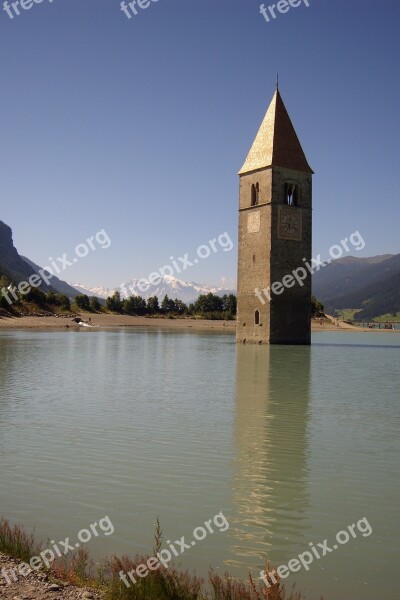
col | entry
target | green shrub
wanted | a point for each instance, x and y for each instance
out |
(15, 542)
(82, 302)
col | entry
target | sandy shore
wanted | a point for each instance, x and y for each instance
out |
(111, 321)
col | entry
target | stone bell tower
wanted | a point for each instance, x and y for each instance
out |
(275, 229)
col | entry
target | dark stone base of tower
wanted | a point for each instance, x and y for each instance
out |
(275, 225)
(279, 324)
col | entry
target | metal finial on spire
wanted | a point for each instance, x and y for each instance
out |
(277, 81)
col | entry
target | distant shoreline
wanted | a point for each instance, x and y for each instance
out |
(107, 321)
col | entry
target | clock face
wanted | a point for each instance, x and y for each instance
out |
(290, 224)
(254, 222)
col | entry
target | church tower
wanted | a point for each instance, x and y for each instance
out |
(275, 228)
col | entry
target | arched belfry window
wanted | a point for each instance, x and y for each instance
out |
(296, 195)
(255, 194)
(256, 318)
(291, 194)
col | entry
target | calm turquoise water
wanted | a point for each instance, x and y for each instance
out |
(293, 444)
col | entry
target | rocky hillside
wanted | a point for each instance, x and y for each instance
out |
(17, 268)
(11, 264)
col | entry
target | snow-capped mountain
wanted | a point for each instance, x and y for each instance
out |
(169, 285)
(99, 292)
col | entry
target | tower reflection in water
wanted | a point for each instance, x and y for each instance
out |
(270, 485)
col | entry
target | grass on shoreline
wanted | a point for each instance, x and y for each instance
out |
(15, 542)
(163, 584)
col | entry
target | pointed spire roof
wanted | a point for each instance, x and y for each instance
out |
(276, 142)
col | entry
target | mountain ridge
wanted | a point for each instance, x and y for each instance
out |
(173, 287)
(12, 264)
(370, 285)
(58, 284)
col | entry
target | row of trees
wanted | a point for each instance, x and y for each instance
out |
(83, 302)
(207, 306)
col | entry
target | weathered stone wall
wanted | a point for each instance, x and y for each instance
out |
(290, 321)
(265, 258)
(254, 257)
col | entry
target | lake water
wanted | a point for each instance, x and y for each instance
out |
(293, 444)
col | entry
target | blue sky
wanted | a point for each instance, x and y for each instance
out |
(139, 126)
